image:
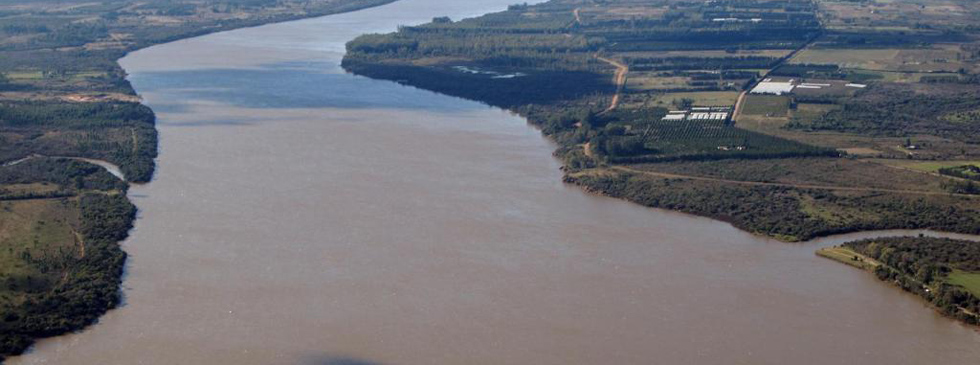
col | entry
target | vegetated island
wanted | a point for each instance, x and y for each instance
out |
(943, 271)
(791, 119)
(62, 93)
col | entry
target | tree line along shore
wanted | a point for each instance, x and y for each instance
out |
(945, 272)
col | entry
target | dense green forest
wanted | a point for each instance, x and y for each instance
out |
(791, 214)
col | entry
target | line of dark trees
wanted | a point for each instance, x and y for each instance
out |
(778, 211)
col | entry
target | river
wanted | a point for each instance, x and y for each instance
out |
(301, 215)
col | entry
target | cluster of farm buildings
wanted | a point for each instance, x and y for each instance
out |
(717, 113)
(772, 87)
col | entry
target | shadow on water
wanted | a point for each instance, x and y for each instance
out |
(336, 360)
(285, 86)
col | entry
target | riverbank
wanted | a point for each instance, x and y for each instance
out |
(92, 116)
(792, 187)
(941, 271)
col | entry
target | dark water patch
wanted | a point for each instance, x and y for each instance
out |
(289, 87)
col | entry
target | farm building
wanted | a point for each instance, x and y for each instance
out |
(768, 86)
(699, 113)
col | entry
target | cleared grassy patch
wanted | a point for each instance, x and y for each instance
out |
(927, 166)
(887, 59)
(968, 280)
(706, 98)
(766, 105)
(34, 234)
(849, 257)
(641, 81)
(809, 112)
(24, 75)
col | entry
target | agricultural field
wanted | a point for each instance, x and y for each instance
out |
(652, 81)
(907, 15)
(942, 58)
(808, 112)
(703, 98)
(766, 105)
(804, 171)
(33, 232)
(928, 166)
(968, 280)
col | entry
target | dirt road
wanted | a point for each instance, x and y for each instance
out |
(620, 80)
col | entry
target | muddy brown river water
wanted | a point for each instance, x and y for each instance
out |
(301, 215)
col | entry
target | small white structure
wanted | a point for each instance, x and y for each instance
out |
(719, 116)
(699, 113)
(860, 86)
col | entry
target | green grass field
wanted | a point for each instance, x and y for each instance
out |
(38, 75)
(39, 230)
(768, 105)
(646, 82)
(968, 280)
(847, 256)
(705, 98)
(931, 166)
(809, 112)
(883, 59)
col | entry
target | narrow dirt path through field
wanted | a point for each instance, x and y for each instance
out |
(619, 79)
